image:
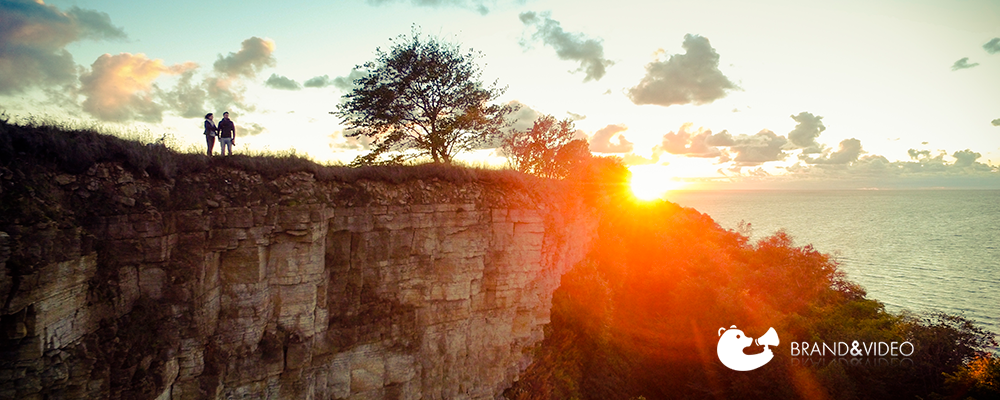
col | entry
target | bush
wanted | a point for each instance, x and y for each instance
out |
(639, 317)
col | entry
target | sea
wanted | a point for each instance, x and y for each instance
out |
(923, 251)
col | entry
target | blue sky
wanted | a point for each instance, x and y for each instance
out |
(764, 94)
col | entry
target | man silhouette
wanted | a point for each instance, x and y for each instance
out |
(227, 134)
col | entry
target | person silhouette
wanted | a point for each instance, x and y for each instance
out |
(210, 132)
(227, 134)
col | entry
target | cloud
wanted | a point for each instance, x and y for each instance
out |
(635, 159)
(33, 37)
(962, 64)
(95, 25)
(690, 78)
(340, 142)
(318, 82)
(250, 129)
(762, 147)
(848, 151)
(720, 139)
(120, 87)
(993, 46)
(524, 117)
(925, 169)
(686, 142)
(924, 164)
(188, 97)
(253, 56)
(916, 155)
(966, 158)
(480, 6)
(805, 133)
(601, 141)
(346, 83)
(282, 83)
(569, 46)
(225, 87)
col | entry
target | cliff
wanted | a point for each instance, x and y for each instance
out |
(226, 283)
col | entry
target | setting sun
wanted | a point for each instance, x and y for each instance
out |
(650, 182)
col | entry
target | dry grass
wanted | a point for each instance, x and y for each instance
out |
(74, 148)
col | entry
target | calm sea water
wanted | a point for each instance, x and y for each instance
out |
(919, 250)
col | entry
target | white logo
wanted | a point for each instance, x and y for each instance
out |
(732, 343)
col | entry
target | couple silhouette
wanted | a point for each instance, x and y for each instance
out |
(226, 131)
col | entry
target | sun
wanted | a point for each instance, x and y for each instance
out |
(651, 182)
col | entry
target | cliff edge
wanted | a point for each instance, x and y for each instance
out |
(225, 283)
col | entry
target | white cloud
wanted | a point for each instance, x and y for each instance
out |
(806, 132)
(690, 78)
(569, 46)
(276, 81)
(962, 64)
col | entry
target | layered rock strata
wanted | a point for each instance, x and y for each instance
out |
(228, 285)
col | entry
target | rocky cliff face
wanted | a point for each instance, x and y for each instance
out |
(229, 285)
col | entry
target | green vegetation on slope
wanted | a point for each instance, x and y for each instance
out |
(640, 319)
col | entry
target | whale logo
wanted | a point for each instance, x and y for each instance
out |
(732, 343)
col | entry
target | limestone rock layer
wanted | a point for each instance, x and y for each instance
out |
(231, 286)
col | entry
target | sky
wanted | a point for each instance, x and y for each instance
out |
(771, 94)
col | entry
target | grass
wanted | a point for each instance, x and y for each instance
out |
(74, 148)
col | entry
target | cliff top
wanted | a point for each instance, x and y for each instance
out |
(50, 172)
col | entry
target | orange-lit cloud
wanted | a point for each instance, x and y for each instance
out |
(121, 88)
(688, 142)
(690, 78)
(601, 141)
(33, 37)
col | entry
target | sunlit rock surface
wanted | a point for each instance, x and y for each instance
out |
(227, 285)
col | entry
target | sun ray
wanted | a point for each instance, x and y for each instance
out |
(651, 182)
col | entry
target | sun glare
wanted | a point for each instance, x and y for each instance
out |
(650, 182)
